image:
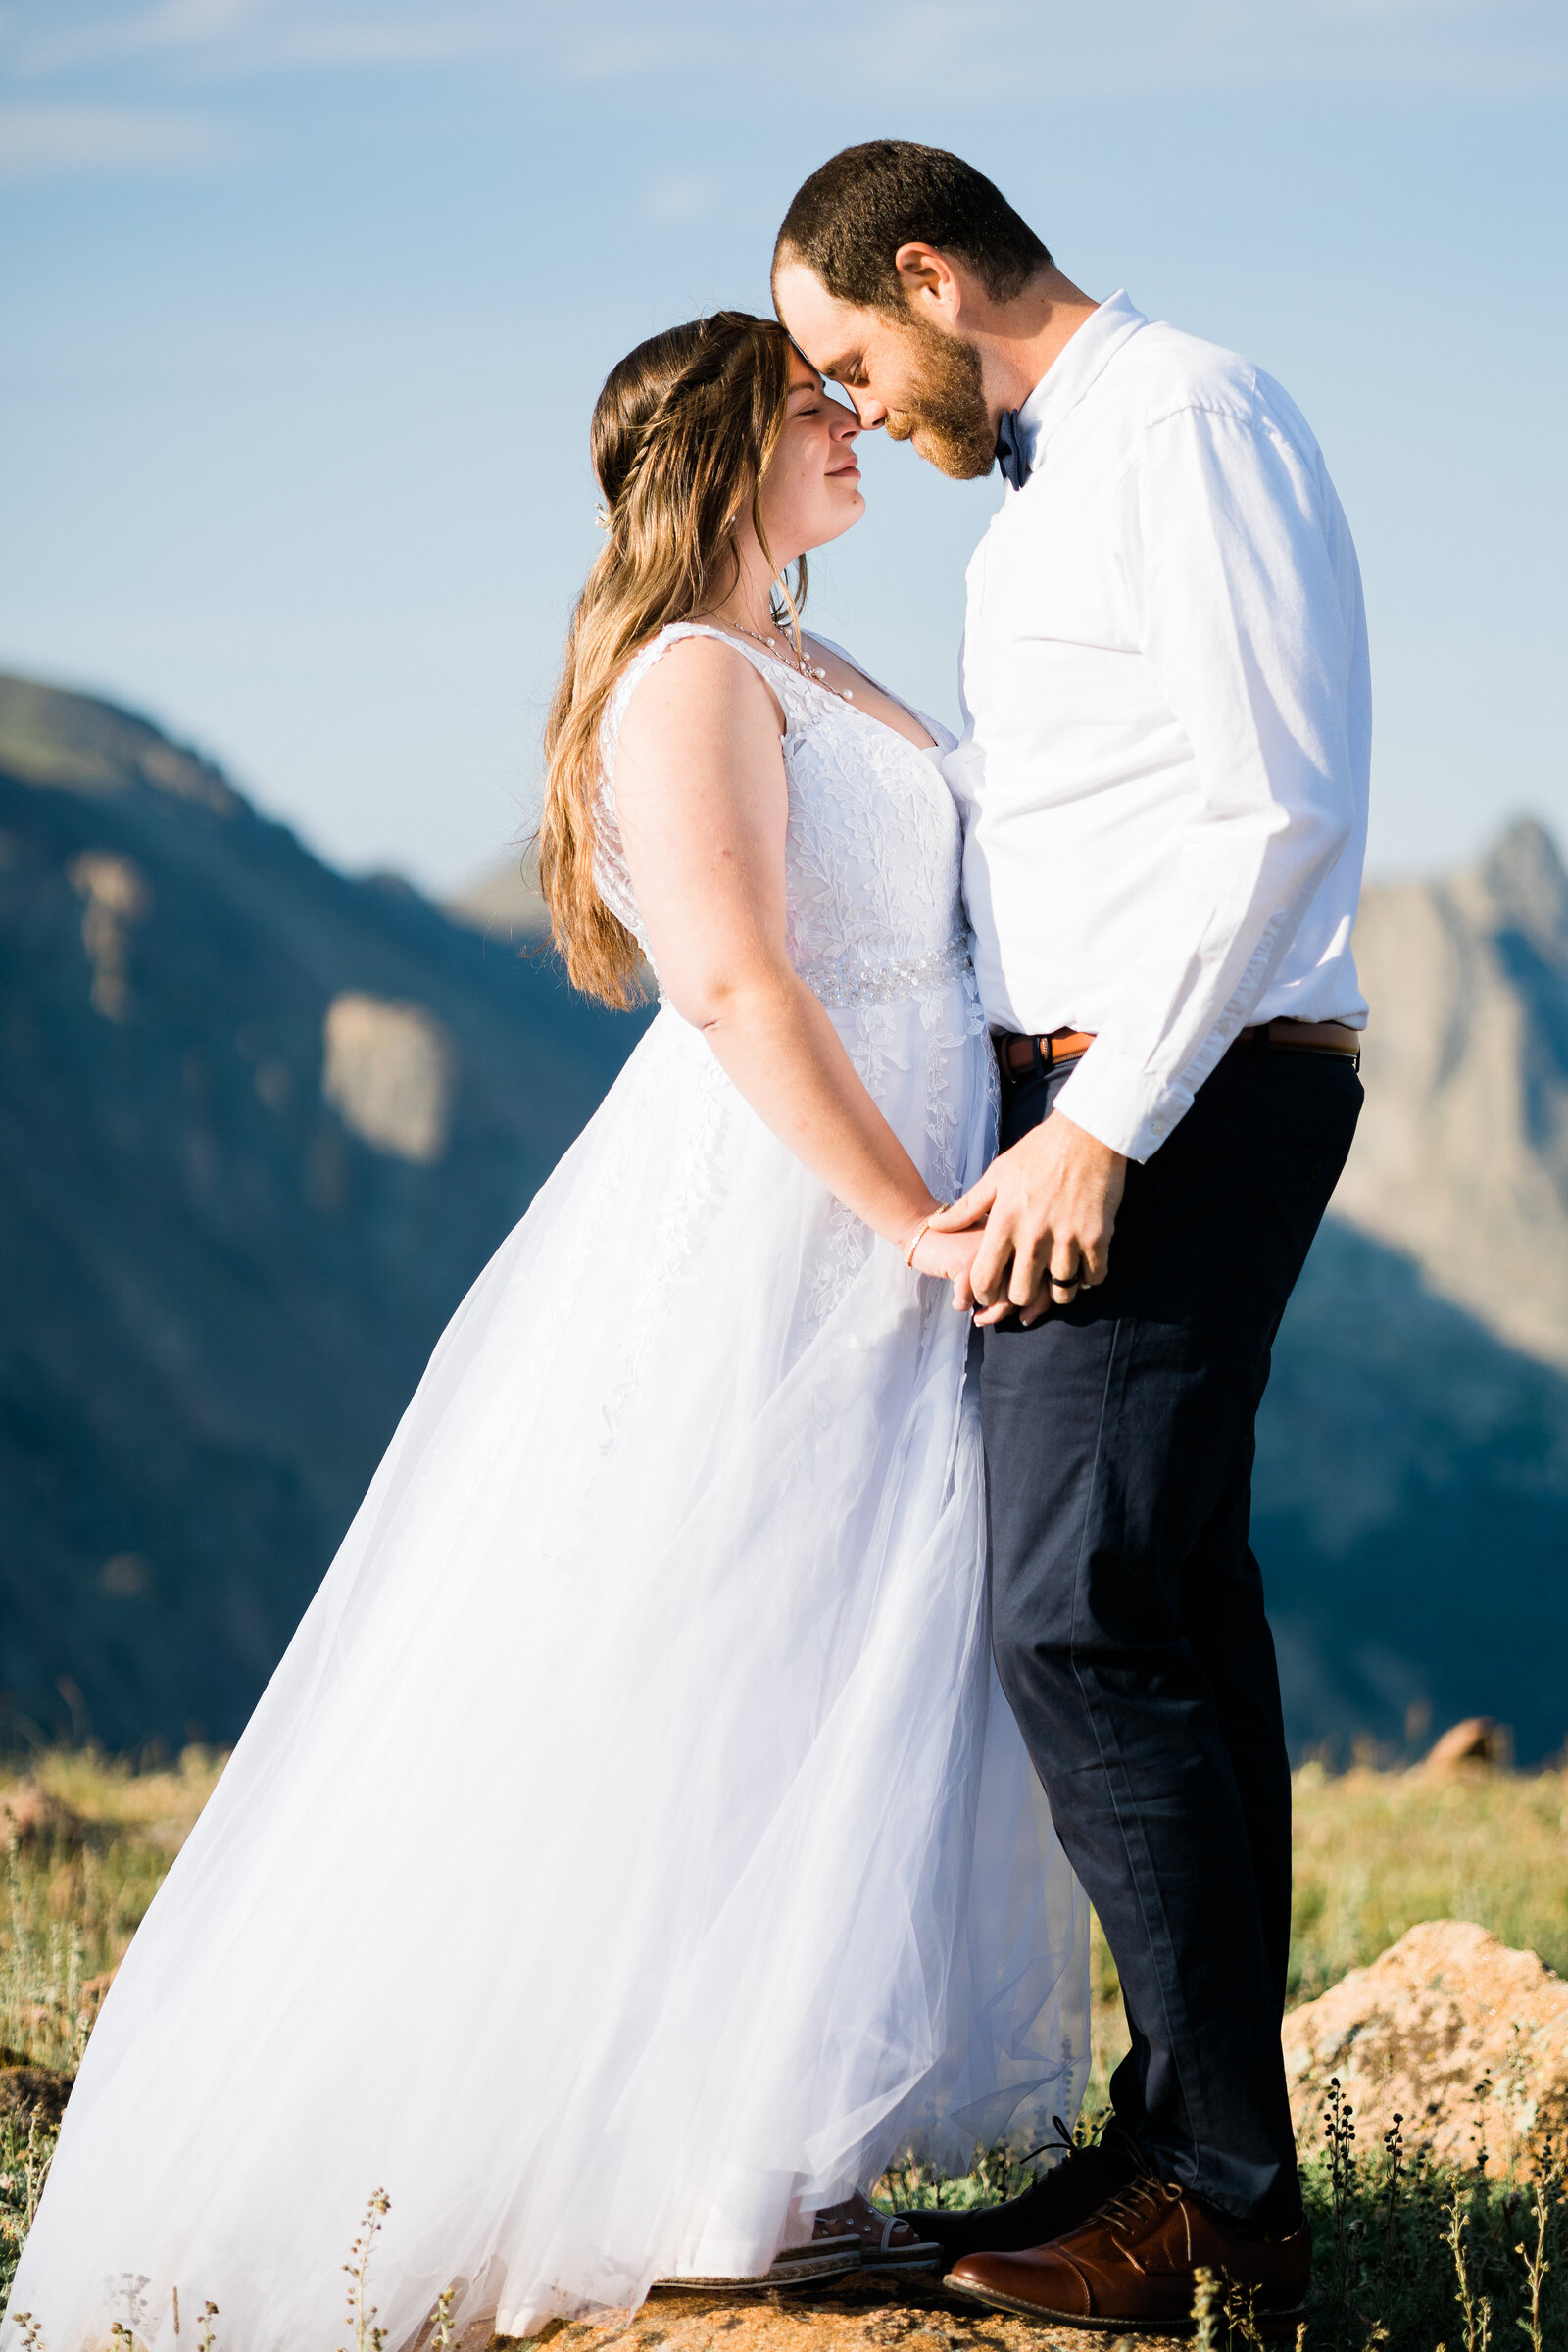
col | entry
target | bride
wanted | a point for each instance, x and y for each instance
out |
(632, 1852)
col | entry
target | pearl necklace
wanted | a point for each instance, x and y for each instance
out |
(795, 659)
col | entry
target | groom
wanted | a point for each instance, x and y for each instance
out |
(1163, 777)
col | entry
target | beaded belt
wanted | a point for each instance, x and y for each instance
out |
(849, 979)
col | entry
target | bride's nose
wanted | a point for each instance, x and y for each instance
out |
(846, 424)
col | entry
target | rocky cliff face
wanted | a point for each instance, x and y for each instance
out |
(1462, 1158)
(1412, 1489)
(259, 1126)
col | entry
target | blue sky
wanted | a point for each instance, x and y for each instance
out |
(303, 305)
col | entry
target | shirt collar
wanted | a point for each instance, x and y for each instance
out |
(1073, 369)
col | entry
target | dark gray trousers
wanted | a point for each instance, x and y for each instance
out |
(1128, 1608)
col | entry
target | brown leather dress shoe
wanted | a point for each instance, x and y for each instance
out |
(1076, 2185)
(1133, 2265)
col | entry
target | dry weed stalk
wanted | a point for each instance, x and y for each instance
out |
(1241, 2317)
(1339, 2134)
(1208, 2311)
(1475, 2310)
(443, 2336)
(1545, 2200)
(368, 2336)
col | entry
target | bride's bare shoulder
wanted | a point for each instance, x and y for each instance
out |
(699, 689)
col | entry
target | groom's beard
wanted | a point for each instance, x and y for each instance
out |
(948, 410)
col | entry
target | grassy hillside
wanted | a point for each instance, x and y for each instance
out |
(1375, 1853)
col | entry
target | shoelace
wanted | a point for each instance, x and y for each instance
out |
(1067, 2150)
(1139, 2199)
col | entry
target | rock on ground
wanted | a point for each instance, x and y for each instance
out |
(1473, 1745)
(1452, 2030)
(867, 2312)
(34, 2090)
(28, 1811)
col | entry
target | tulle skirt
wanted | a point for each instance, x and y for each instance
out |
(633, 1849)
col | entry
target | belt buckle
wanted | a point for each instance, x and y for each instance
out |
(1041, 1062)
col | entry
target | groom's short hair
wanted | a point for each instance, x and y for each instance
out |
(849, 220)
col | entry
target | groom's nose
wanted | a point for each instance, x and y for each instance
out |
(869, 411)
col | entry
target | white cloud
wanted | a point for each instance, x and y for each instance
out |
(38, 142)
(411, 38)
(623, 46)
(35, 44)
(237, 38)
(1189, 45)
(682, 196)
(891, 46)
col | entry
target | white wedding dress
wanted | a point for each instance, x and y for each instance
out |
(633, 1851)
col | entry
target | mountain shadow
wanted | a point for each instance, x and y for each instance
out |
(1411, 1510)
(261, 1125)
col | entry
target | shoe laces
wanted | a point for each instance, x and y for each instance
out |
(1064, 2148)
(1142, 2197)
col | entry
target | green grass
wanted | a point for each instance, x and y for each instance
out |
(77, 1889)
(1375, 1853)
(1408, 2258)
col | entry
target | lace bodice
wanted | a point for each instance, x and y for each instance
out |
(873, 850)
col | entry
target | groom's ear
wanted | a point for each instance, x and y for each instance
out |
(931, 286)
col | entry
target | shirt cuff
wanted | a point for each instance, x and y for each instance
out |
(1113, 1098)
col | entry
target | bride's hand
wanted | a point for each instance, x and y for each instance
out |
(950, 1256)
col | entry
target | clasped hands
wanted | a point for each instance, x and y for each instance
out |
(1035, 1228)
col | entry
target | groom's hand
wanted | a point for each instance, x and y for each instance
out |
(1050, 1206)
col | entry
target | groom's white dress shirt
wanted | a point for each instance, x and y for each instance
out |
(1167, 724)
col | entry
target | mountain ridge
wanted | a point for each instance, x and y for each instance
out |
(261, 1124)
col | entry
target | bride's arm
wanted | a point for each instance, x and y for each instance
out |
(701, 804)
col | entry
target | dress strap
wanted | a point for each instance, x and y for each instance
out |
(610, 860)
(786, 684)
(789, 690)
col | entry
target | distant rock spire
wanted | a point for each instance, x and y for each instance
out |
(1462, 1154)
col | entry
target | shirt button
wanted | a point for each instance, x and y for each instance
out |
(1157, 1125)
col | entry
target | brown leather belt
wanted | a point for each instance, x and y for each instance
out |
(1017, 1057)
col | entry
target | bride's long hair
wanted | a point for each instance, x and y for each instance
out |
(681, 436)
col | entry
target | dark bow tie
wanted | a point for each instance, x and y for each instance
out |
(1010, 450)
